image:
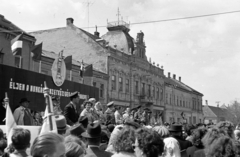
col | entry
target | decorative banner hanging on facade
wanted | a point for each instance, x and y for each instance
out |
(59, 70)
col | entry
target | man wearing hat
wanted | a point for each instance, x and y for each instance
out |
(93, 136)
(137, 115)
(22, 114)
(109, 113)
(70, 110)
(61, 123)
(176, 132)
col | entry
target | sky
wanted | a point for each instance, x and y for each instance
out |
(204, 52)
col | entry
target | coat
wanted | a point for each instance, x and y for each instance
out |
(96, 152)
(23, 116)
(110, 117)
(71, 114)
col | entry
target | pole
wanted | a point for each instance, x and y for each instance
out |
(47, 101)
(20, 62)
(70, 75)
(40, 64)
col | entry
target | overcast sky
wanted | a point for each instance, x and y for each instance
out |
(205, 52)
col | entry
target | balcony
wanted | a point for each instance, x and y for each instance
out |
(146, 99)
(118, 25)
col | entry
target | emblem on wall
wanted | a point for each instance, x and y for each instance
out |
(59, 70)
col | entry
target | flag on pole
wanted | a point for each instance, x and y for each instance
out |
(81, 69)
(10, 121)
(37, 52)
(88, 71)
(49, 123)
(68, 62)
(16, 45)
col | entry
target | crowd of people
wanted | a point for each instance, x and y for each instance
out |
(94, 133)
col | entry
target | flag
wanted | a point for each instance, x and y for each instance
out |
(68, 62)
(88, 71)
(81, 69)
(10, 124)
(16, 45)
(49, 123)
(37, 52)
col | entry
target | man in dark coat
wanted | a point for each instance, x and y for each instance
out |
(2, 112)
(109, 113)
(176, 132)
(70, 110)
(93, 136)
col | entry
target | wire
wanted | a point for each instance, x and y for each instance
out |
(164, 20)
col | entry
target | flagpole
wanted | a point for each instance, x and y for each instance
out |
(40, 64)
(47, 101)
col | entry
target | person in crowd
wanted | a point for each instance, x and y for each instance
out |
(188, 130)
(222, 147)
(237, 135)
(95, 115)
(87, 111)
(176, 132)
(84, 121)
(144, 115)
(109, 113)
(110, 128)
(132, 124)
(126, 115)
(117, 115)
(1, 134)
(3, 145)
(2, 112)
(113, 138)
(20, 141)
(93, 136)
(73, 149)
(132, 113)
(197, 136)
(171, 148)
(162, 131)
(147, 143)
(76, 139)
(138, 114)
(61, 123)
(123, 146)
(56, 105)
(212, 135)
(99, 112)
(226, 126)
(48, 145)
(22, 114)
(70, 110)
(77, 130)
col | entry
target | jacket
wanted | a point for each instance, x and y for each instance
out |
(71, 114)
(110, 117)
(23, 116)
(96, 152)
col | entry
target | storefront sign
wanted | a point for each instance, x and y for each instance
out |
(59, 70)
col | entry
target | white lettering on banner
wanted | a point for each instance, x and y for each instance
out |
(37, 89)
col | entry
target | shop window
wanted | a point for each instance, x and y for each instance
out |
(113, 82)
(120, 84)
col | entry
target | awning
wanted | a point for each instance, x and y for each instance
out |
(122, 103)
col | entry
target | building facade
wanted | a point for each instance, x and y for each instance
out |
(182, 103)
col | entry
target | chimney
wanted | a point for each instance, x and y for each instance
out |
(179, 79)
(96, 33)
(174, 76)
(70, 21)
(169, 75)
(206, 102)
(218, 105)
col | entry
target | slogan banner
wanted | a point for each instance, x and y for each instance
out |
(20, 83)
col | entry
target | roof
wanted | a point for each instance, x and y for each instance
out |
(220, 112)
(7, 25)
(181, 85)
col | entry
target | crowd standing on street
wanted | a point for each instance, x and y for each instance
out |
(87, 131)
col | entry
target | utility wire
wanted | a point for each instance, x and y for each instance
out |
(164, 20)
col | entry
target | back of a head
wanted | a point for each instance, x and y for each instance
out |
(73, 149)
(197, 136)
(226, 126)
(3, 145)
(21, 138)
(222, 147)
(72, 138)
(45, 144)
(1, 134)
(171, 147)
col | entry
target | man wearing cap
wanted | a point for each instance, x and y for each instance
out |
(137, 115)
(110, 117)
(70, 110)
(22, 114)
(93, 136)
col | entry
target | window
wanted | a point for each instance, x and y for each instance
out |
(170, 99)
(136, 87)
(166, 98)
(1, 58)
(94, 84)
(127, 85)
(161, 90)
(18, 61)
(180, 102)
(113, 82)
(143, 89)
(120, 84)
(157, 93)
(101, 90)
(149, 90)
(153, 91)
(177, 101)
